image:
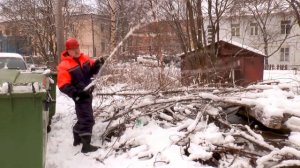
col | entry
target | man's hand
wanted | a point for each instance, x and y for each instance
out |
(82, 95)
(97, 65)
(102, 60)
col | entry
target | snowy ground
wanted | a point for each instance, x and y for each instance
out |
(153, 145)
(290, 77)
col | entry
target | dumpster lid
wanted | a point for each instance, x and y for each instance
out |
(20, 78)
(8, 76)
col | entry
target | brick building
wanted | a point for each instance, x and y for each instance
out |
(154, 39)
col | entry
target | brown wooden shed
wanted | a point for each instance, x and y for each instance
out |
(235, 63)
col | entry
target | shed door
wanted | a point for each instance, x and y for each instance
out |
(253, 69)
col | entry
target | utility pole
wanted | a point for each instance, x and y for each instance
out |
(59, 25)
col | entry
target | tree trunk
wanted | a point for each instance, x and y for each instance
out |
(59, 29)
(192, 24)
(113, 31)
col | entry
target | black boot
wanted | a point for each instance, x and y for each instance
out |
(86, 144)
(77, 139)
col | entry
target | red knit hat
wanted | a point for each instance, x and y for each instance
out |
(71, 43)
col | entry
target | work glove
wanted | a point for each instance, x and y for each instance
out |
(102, 60)
(82, 95)
(91, 89)
(97, 65)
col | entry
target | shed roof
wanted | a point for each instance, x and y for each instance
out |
(237, 45)
(243, 46)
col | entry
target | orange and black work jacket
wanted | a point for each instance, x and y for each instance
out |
(74, 74)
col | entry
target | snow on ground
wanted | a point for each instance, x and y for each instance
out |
(295, 138)
(284, 76)
(61, 153)
(156, 143)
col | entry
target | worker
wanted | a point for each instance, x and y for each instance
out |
(74, 73)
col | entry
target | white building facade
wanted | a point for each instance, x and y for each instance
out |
(283, 37)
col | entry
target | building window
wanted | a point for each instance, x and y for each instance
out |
(286, 27)
(1, 48)
(209, 33)
(103, 47)
(1, 33)
(285, 54)
(253, 29)
(235, 29)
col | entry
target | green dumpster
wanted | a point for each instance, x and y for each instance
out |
(23, 119)
(52, 91)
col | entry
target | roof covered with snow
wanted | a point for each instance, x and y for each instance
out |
(235, 43)
(13, 55)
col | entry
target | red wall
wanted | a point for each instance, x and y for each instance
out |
(253, 69)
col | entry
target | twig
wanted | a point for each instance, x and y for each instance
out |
(104, 133)
(254, 140)
(235, 156)
(101, 160)
(234, 150)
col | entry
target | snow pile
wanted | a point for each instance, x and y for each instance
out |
(141, 145)
(273, 100)
(266, 161)
(295, 138)
(148, 141)
(293, 123)
(175, 129)
(290, 77)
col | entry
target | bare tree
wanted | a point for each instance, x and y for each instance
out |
(216, 10)
(187, 21)
(189, 17)
(34, 19)
(73, 10)
(263, 12)
(113, 15)
(174, 11)
(295, 4)
(124, 14)
(59, 25)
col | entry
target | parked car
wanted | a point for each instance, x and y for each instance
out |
(147, 60)
(12, 61)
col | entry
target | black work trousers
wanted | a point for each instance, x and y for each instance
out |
(85, 118)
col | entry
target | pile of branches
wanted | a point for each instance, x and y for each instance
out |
(185, 109)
